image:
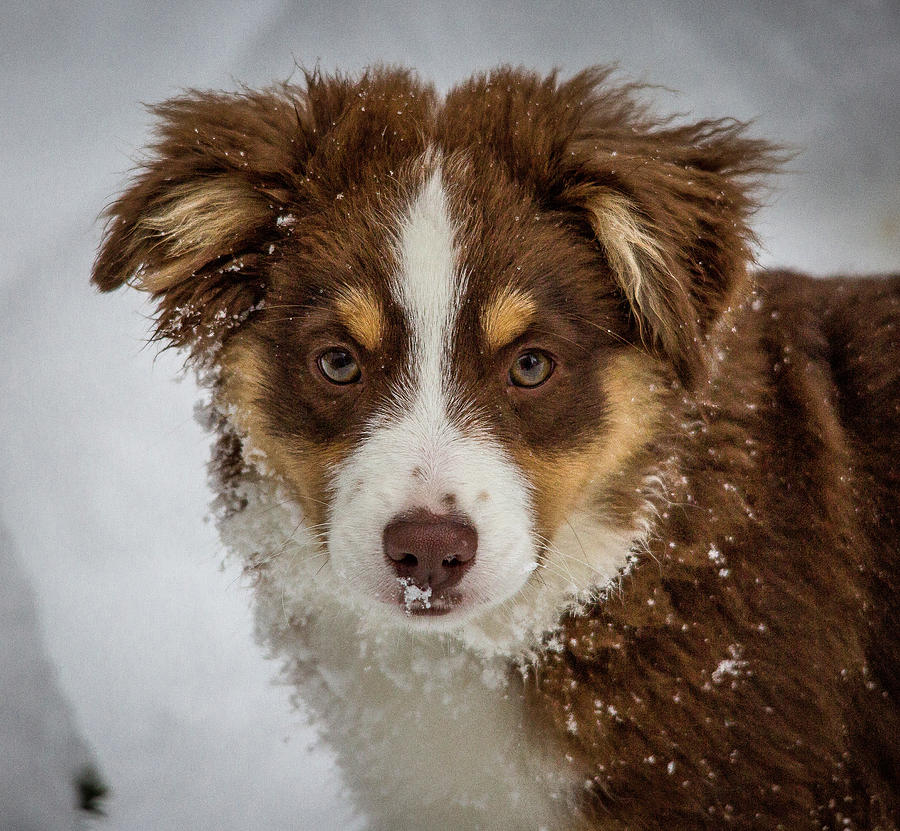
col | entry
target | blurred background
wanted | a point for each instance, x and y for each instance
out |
(124, 641)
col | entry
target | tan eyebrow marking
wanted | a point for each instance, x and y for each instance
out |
(506, 316)
(361, 313)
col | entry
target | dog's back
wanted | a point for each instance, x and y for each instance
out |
(862, 318)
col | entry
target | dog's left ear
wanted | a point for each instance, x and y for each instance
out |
(669, 206)
(196, 225)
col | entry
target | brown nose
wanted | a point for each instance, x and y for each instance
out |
(430, 550)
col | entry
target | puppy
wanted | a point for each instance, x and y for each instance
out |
(556, 513)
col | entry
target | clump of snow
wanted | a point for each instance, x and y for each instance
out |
(732, 666)
(413, 596)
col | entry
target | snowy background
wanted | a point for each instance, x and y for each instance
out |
(102, 480)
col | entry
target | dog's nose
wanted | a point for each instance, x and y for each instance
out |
(430, 550)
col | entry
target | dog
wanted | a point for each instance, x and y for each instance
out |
(557, 511)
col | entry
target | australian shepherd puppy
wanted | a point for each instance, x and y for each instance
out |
(557, 514)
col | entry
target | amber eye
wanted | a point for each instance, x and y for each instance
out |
(339, 366)
(531, 369)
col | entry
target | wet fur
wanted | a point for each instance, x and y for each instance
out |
(740, 428)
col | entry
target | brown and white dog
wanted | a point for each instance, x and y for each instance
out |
(559, 516)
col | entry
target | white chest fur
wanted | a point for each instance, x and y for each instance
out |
(429, 732)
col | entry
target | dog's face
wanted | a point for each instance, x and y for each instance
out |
(436, 384)
(448, 326)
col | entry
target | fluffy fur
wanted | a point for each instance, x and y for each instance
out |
(682, 609)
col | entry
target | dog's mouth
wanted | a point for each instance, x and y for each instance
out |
(416, 601)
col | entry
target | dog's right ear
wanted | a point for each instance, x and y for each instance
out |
(207, 209)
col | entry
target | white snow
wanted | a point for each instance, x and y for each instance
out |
(414, 596)
(43, 752)
(732, 666)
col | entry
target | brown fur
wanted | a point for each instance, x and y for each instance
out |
(746, 674)
(800, 507)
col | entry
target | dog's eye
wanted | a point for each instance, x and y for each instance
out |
(531, 369)
(339, 366)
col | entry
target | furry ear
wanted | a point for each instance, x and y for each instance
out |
(669, 206)
(207, 209)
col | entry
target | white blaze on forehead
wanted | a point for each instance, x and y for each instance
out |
(429, 285)
(413, 454)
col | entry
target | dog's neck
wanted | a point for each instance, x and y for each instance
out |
(393, 704)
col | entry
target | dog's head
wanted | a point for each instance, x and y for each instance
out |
(449, 324)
